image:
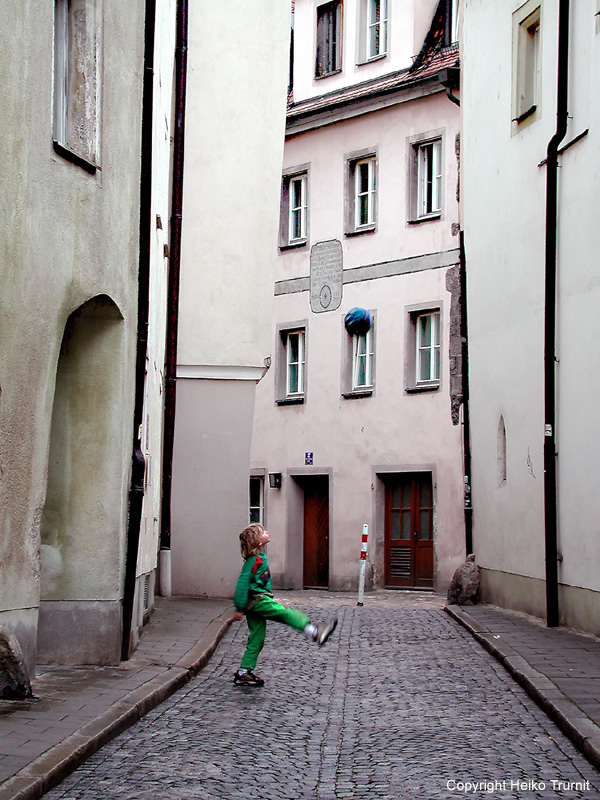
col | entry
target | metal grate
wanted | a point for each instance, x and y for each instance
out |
(146, 591)
(400, 562)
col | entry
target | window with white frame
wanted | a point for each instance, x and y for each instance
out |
(526, 62)
(295, 362)
(294, 208)
(362, 360)
(453, 21)
(76, 80)
(257, 498)
(329, 39)
(376, 28)
(297, 216)
(365, 186)
(361, 192)
(429, 178)
(428, 348)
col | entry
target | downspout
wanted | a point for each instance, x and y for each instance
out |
(550, 482)
(136, 491)
(173, 293)
(468, 510)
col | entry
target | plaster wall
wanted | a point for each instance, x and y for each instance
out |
(233, 150)
(503, 179)
(68, 236)
(160, 213)
(235, 125)
(408, 23)
(355, 441)
(210, 484)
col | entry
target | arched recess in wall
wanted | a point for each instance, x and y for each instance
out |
(81, 527)
(501, 452)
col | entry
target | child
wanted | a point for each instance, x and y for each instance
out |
(254, 598)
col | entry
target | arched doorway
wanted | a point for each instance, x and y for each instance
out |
(82, 525)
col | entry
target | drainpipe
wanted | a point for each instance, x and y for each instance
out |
(465, 393)
(173, 294)
(550, 482)
(136, 491)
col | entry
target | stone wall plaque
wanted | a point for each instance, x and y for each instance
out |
(326, 265)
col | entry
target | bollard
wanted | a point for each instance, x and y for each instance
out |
(363, 564)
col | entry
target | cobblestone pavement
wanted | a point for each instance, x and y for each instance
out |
(401, 704)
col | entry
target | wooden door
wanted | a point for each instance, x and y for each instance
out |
(316, 533)
(409, 530)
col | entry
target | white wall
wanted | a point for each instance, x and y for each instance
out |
(503, 191)
(235, 118)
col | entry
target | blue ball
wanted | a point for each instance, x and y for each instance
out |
(357, 321)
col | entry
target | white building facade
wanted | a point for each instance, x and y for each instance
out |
(365, 428)
(506, 137)
(235, 123)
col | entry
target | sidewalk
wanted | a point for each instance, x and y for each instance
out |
(80, 709)
(559, 668)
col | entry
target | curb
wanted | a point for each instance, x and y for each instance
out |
(47, 771)
(571, 720)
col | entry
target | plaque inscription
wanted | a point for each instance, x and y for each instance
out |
(326, 276)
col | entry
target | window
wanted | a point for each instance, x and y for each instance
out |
(290, 376)
(429, 178)
(423, 349)
(452, 21)
(297, 228)
(294, 208)
(376, 29)
(329, 39)
(358, 362)
(294, 364)
(76, 81)
(257, 498)
(361, 194)
(526, 62)
(362, 360)
(428, 348)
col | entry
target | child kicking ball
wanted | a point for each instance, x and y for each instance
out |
(254, 598)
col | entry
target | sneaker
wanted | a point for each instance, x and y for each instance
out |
(324, 631)
(247, 678)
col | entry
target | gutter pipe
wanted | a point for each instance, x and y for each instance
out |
(550, 472)
(173, 289)
(468, 505)
(136, 490)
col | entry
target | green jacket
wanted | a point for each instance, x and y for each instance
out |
(255, 578)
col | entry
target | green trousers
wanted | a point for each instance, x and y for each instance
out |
(267, 608)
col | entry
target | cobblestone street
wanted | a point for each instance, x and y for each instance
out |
(401, 704)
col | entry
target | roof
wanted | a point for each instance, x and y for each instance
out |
(422, 72)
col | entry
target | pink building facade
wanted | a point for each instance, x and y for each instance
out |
(354, 428)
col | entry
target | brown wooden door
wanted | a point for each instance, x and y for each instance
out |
(316, 533)
(409, 530)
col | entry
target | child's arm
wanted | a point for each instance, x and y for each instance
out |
(240, 597)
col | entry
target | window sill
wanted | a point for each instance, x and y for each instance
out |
(290, 401)
(69, 155)
(526, 114)
(426, 387)
(356, 393)
(371, 59)
(295, 245)
(365, 229)
(437, 215)
(328, 74)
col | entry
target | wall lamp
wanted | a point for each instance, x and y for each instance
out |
(275, 480)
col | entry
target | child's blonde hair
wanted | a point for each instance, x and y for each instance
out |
(249, 544)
